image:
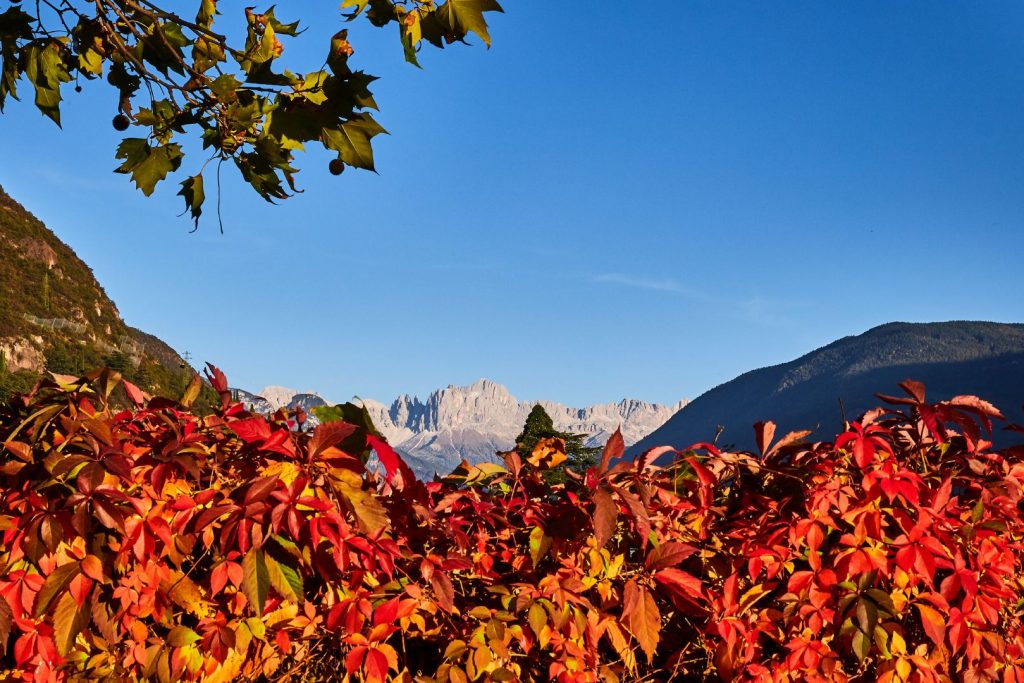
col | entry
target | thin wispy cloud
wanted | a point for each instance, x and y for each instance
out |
(664, 285)
(757, 309)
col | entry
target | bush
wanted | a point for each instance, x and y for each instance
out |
(155, 544)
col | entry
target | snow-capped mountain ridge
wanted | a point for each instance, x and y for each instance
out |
(475, 421)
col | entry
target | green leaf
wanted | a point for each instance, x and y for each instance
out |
(15, 26)
(347, 412)
(44, 66)
(255, 579)
(410, 30)
(861, 645)
(68, 621)
(265, 52)
(352, 140)
(207, 12)
(537, 618)
(147, 165)
(284, 579)
(91, 61)
(180, 636)
(370, 515)
(359, 6)
(291, 29)
(460, 17)
(312, 87)
(224, 86)
(192, 191)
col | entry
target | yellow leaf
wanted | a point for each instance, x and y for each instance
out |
(548, 453)
(539, 544)
(192, 392)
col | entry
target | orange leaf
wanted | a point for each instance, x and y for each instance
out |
(548, 453)
(643, 617)
(933, 622)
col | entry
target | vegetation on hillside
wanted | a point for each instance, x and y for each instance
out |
(155, 544)
(53, 303)
(814, 391)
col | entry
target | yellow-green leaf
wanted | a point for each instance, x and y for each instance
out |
(255, 579)
(540, 543)
(68, 621)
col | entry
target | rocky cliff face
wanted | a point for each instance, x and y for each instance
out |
(474, 422)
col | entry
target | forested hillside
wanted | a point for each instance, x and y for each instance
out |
(56, 317)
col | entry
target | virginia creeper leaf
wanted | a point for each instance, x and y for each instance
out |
(68, 621)
(255, 579)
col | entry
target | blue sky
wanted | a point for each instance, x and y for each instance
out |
(607, 203)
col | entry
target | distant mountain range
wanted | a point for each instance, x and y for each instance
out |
(981, 358)
(474, 422)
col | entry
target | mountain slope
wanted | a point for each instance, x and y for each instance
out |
(982, 358)
(55, 316)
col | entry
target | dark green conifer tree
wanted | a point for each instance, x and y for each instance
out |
(540, 426)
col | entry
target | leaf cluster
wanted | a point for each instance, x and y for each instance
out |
(177, 76)
(155, 544)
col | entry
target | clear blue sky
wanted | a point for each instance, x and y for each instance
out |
(608, 203)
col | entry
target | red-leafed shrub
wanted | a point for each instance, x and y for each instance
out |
(154, 544)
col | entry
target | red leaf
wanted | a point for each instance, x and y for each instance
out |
(606, 514)
(614, 448)
(329, 434)
(134, 393)
(651, 455)
(252, 429)
(703, 474)
(913, 388)
(93, 568)
(391, 460)
(765, 432)
(668, 555)
(6, 621)
(219, 383)
(680, 583)
(444, 592)
(639, 514)
(354, 659)
(788, 440)
(387, 612)
(218, 578)
(376, 666)
(260, 489)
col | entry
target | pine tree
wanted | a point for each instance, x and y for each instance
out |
(539, 425)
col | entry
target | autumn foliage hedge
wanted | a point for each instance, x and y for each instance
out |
(153, 544)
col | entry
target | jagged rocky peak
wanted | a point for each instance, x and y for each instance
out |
(475, 421)
(284, 397)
